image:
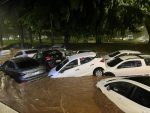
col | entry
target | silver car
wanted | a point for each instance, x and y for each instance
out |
(23, 69)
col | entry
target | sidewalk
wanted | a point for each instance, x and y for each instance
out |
(5, 109)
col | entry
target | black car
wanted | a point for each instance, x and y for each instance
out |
(23, 69)
(49, 58)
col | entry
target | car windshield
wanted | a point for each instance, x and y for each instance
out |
(30, 63)
(114, 54)
(114, 62)
(61, 64)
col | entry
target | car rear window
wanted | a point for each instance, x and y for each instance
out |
(114, 62)
(28, 63)
(114, 54)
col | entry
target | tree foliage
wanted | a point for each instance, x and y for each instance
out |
(77, 17)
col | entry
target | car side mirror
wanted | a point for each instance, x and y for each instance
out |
(109, 88)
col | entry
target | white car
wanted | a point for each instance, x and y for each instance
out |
(26, 53)
(130, 94)
(5, 52)
(120, 53)
(83, 64)
(128, 66)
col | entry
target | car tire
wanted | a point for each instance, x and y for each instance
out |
(109, 74)
(98, 72)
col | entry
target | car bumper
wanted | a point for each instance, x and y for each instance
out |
(22, 79)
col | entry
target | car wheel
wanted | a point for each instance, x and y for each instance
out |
(98, 72)
(109, 74)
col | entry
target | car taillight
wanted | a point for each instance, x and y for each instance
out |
(102, 60)
(48, 58)
(21, 74)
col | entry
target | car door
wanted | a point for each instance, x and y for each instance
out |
(126, 68)
(9, 68)
(86, 66)
(71, 69)
(120, 93)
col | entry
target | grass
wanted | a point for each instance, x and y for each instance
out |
(105, 47)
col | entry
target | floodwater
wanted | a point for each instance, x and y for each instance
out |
(62, 95)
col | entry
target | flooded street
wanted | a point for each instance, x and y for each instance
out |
(65, 95)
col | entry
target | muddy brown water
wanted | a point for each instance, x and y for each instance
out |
(63, 95)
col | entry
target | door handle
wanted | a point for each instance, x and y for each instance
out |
(91, 64)
(76, 69)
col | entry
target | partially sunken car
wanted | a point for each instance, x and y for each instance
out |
(128, 66)
(49, 58)
(120, 53)
(130, 94)
(23, 69)
(26, 53)
(83, 64)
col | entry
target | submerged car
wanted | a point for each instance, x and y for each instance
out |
(83, 64)
(49, 58)
(120, 53)
(23, 69)
(128, 66)
(130, 94)
(26, 53)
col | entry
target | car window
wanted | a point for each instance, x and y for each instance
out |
(18, 54)
(132, 92)
(130, 64)
(84, 60)
(142, 97)
(114, 62)
(122, 88)
(147, 62)
(58, 67)
(72, 64)
(29, 63)
(114, 54)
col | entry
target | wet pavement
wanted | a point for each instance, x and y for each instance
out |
(62, 95)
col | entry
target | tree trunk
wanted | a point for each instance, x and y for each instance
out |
(66, 39)
(52, 32)
(52, 38)
(147, 24)
(21, 32)
(98, 40)
(1, 40)
(30, 36)
(40, 40)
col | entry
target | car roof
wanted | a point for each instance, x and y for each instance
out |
(19, 59)
(28, 49)
(130, 57)
(135, 57)
(129, 51)
(86, 54)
